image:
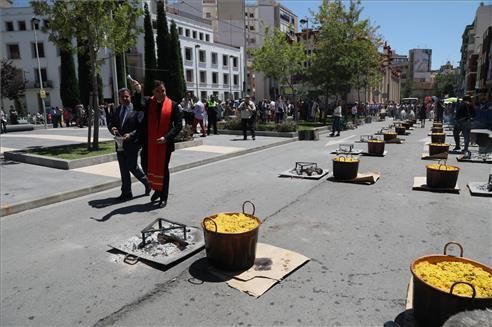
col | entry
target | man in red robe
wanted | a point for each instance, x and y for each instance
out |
(162, 123)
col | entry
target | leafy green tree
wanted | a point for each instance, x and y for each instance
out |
(69, 85)
(162, 41)
(347, 54)
(177, 86)
(446, 83)
(279, 59)
(13, 85)
(100, 24)
(150, 59)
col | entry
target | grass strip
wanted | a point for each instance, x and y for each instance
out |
(75, 151)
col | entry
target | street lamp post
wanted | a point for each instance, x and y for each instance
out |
(35, 21)
(197, 46)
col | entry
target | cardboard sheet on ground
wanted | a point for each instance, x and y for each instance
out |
(353, 152)
(427, 156)
(420, 184)
(479, 189)
(362, 178)
(292, 173)
(272, 264)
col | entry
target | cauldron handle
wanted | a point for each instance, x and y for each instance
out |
(205, 219)
(456, 283)
(252, 204)
(456, 243)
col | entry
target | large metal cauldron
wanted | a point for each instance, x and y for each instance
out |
(432, 306)
(438, 138)
(375, 147)
(438, 178)
(345, 168)
(228, 251)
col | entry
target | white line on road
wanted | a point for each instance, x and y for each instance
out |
(338, 141)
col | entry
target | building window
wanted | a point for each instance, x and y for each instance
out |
(252, 41)
(154, 24)
(214, 58)
(187, 33)
(203, 76)
(40, 49)
(224, 61)
(203, 95)
(188, 54)
(43, 75)
(194, 34)
(236, 95)
(208, 15)
(236, 80)
(215, 78)
(35, 25)
(251, 27)
(201, 36)
(202, 56)
(252, 15)
(22, 25)
(46, 23)
(9, 26)
(13, 51)
(189, 75)
(234, 62)
(180, 30)
(207, 37)
(226, 79)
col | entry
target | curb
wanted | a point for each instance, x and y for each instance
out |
(59, 197)
(64, 164)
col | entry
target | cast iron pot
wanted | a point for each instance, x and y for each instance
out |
(375, 147)
(389, 136)
(400, 130)
(233, 252)
(437, 178)
(437, 130)
(345, 170)
(432, 306)
(438, 138)
(437, 148)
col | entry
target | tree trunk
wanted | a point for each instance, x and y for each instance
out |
(94, 100)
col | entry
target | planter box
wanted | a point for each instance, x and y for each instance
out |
(35, 159)
(309, 135)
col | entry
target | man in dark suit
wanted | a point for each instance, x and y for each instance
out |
(163, 121)
(125, 123)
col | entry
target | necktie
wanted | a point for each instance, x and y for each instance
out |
(122, 115)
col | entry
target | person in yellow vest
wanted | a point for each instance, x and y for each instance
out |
(212, 107)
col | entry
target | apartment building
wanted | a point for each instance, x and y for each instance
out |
(475, 53)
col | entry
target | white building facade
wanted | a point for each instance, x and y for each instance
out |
(209, 68)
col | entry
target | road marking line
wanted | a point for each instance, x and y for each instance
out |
(339, 141)
(213, 149)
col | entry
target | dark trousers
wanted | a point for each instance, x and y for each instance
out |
(127, 160)
(189, 117)
(4, 126)
(212, 121)
(336, 125)
(463, 126)
(247, 124)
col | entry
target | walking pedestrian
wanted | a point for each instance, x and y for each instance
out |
(162, 123)
(212, 113)
(3, 121)
(199, 117)
(464, 115)
(126, 123)
(337, 117)
(247, 110)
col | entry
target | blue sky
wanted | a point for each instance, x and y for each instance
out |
(433, 24)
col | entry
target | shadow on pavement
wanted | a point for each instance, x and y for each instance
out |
(146, 207)
(201, 272)
(103, 203)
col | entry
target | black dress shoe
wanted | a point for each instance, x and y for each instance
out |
(154, 196)
(162, 203)
(124, 197)
(147, 190)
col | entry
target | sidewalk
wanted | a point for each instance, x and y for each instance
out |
(27, 186)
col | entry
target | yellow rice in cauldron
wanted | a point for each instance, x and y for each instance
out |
(375, 141)
(231, 223)
(443, 274)
(442, 167)
(345, 159)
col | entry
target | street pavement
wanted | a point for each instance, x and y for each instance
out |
(56, 268)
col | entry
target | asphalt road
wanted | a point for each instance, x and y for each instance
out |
(56, 269)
